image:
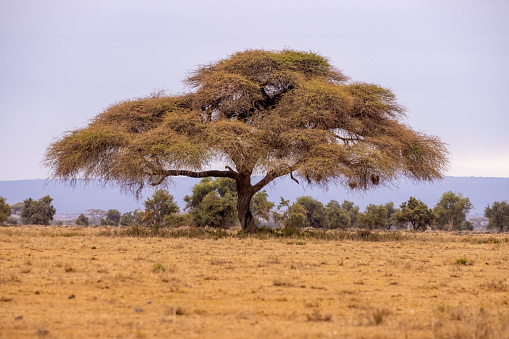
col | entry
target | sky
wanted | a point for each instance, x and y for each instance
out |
(63, 62)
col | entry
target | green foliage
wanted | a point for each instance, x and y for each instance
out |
(467, 226)
(498, 216)
(82, 220)
(464, 261)
(261, 207)
(38, 212)
(158, 267)
(178, 220)
(296, 217)
(451, 211)
(305, 212)
(131, 218)
(353, 211)
(158, 207)
(392, 213)
(5, 210)
(11, 221)
(416, 213)
(375, 216)
(213, 203)
(337, 217)
(113, 217)
(315, 212)
(215, 211)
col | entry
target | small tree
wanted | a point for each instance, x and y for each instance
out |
(451, 211)
(467, 226)
(498, 215)
(337, 217)
(112, 218)
(353, 211)
(131, 218)
(315, 212)
(5, 210)
(261, 207)
(82, 220)
(375, 216)
(416, 213)
(158, 207)
(213, 202)
(296, 216)
(391, 213)
(38, 212)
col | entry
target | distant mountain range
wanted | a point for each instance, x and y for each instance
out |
(67, 200)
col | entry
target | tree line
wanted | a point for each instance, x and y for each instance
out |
(212, 203)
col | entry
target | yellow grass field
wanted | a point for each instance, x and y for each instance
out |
(85, 283)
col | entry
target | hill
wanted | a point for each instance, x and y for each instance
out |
(481, 191)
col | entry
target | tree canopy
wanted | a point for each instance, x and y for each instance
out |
(5, 210)
(38, 212)
(451, 211)
(498, 215)
(416, 213)
(268, 113)
(160, 205)
(375, 216)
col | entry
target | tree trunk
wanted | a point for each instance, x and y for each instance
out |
(245, 192)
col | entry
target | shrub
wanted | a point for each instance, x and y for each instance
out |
(82, 220)
(11, 221)
(5, 210)
(157, 207)
(38, 212)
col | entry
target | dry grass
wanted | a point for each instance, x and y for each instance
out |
(83, 283)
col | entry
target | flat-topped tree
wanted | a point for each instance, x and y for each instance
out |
(264, 113)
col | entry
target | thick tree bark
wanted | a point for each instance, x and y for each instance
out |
(245, 192)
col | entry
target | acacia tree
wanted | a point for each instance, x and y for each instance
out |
(268, 113)
(38, 212)
(416, 213)
(451, 210)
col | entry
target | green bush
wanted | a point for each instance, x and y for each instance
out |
(5, 210)
(213, 203)
(82, 220)
(38, 212)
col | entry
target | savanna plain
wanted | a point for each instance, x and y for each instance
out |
(91, 282)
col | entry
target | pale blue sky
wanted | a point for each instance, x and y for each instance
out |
(63, 62)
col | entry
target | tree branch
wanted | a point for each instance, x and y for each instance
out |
(230, 173)
(276, 173)
(192, 174)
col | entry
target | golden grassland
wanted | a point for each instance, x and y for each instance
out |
(86, 283)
